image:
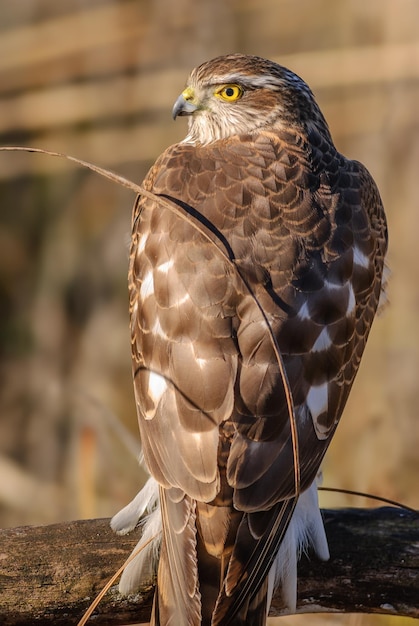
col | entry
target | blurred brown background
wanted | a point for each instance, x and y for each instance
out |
(96, 79)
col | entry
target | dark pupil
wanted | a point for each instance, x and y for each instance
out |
(229, 92)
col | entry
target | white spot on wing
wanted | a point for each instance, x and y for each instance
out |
(165, 267)
(141, 243)
(156, 386)
(323, 341)
(360, 258)
(183, 299)
(317, 399)
(332, 286)
(157, 329)
(147, 286)
(304, 313)
(351, 301)
(197, 437)
(351, 294)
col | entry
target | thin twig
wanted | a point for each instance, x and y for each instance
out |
(205, 232)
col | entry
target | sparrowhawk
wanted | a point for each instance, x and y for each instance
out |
(255, 275)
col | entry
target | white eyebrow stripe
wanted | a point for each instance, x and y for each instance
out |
(250, 81)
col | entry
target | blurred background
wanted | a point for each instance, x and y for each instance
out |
(97, 79)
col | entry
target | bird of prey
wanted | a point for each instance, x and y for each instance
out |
(255, 274)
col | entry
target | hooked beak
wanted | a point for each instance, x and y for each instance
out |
(184, 104)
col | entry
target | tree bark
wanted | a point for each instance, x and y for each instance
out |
(50, 574)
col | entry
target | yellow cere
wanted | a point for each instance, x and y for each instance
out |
(188, 93)
(230, 93)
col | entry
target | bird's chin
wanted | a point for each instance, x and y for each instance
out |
(200, 131)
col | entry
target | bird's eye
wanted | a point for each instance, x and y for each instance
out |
(229, 93)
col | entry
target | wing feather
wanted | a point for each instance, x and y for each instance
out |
(310, 239)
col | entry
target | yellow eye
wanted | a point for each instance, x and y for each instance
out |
(229, 93)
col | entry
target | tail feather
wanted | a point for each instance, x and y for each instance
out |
(249, 567)
(178, 595)
(212, 577)
(254, 611)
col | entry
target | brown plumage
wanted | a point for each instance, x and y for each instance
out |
(306, 230)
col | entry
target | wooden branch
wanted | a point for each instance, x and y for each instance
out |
(50, 574)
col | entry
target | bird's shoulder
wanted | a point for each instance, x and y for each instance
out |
(263, 180)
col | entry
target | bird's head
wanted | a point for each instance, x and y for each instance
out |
(238, 94)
